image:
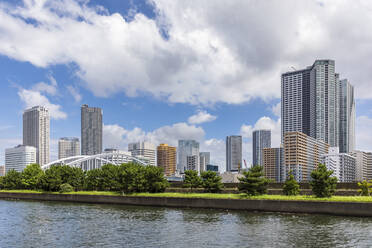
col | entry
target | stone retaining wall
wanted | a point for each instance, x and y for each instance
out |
(333, 208)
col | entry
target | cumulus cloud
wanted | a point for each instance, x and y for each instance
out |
(201, 117)
(33, 98)
(276, 109)
(202, 59)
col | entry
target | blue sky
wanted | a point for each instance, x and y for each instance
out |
(164, 70)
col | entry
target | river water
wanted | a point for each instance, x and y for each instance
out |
(54, 224)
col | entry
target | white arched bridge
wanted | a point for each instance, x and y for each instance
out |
(90, 162)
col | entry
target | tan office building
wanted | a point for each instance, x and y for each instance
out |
(166, 158)
(302, 154)
(273, 163)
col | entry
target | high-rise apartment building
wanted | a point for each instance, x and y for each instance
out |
(193, 163)
(347, 117)
(19, 157)
(343, 165)
(233, 153)
(91, 130)
(186, 148)
(273, 163)
(260, 139)
(68, 147)
(302, 154)
(166, 158)
(363, 165)
(36, 132)
(205, 159)
(313, 101)
(144, 149)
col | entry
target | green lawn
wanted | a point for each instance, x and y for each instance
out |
(215, 196)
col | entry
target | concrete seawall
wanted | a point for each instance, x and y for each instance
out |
(310, 207)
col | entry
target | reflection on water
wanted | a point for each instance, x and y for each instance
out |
(49, 224)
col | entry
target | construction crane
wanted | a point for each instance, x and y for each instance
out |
(245, 163)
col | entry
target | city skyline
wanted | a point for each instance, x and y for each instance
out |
(161, 105)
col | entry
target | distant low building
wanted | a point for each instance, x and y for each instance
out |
(363, 165)
(230, 177)
(211, 167)
(2, 170)
(343, 165)
(19, 157)
(145, 150)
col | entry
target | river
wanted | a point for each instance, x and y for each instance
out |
(55, 224)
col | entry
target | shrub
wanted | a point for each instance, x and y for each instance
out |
(12, 180)
(364, 188)
(253, 181)
(31, 176)
(65, 187)
(322, 184)
(211, 182)
(291, 186)
(192, 180)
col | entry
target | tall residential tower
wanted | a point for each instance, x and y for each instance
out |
(36, 132)
(233, 153)
(261, 139)
(91, 130)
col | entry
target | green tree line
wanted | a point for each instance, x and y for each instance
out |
(127, 178)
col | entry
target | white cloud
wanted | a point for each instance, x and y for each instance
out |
(203, 60)
(276, 109)
(33, 98)
(119, 137)
(201, 117)
(50, 89)
(74, 92)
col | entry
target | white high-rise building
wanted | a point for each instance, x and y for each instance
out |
(19, 157)
(186, 148)
(193, 163)
(36, 132)
(233, 153)
(347, 117)
(343, 165)
(68, 147)
(363, 165)
(145, 149)
(91, 130)
(205, 159)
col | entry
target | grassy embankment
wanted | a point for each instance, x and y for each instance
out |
(215, 196)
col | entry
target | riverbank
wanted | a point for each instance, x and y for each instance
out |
(346, 206)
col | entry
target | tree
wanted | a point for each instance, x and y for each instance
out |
(211, 182)
(94, 180)
(31, 176)
(60, 174)
(322, 183)
(364, 188)
(192, 180)
(110, 177)
(291, 186)
(155, 180)
(12, 180)
(253, 181)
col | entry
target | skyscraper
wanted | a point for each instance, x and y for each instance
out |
(146, 150)
(166, 156)
(233, 153)
(261, 139)
(91, 130)
(312, 103)
(186, 148)
(205, 159)
(36, 132)
(347, 117)
(68, 147)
